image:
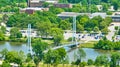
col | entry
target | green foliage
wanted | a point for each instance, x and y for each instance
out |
(82, 64)
(105, 7)
(36, 60)
(44, 28)
(29, 57)
(107, 45)
(65, 25)
(14, 57)
(38, 48)
(109, 13)
(5, 64)
(3, 29)
(80, 55)
(69, 39)
(15, 33)
(101, 60)
(115, 60)
(90, 62)
(4, 52)
(62, 53)
(52, 57)
(45, 4)
(96, 29)
(119, 32)
(57, 35)
(115, 3)
(1, 36)
(116, 27)
(80, 28)
(105, 30)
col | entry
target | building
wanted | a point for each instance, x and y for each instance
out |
(65, 15)
(103, 15)
(35, 3)
(39, 3)
(31, 10)
(116, 17)
(51, 1)
(60, 5)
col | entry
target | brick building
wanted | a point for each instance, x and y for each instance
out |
(59, 5)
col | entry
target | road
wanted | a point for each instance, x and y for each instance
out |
(112, 30)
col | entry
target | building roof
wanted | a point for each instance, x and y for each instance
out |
(71, 14)
(52, 1)
(116, 16)
(33, 8)
(35, 1)
(103, 15)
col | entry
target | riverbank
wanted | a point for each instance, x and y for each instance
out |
(88, 44)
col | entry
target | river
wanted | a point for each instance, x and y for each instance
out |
(90, 53)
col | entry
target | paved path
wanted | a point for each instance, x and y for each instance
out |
(112, 30)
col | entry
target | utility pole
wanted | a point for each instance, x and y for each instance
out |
(29, 39)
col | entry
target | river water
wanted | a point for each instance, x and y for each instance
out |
(90, 53)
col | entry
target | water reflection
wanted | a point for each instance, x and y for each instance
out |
(90, 53)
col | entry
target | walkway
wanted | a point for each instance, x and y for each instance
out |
(62, 46)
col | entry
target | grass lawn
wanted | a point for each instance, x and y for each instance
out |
(88, 44)
(65, 65)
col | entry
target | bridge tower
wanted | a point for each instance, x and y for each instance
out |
(74, 30)
(29, 39)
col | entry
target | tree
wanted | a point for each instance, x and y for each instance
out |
(101, 60)
(45, 4)
(96, 29)
(119, 32)
(105, 31)
(52, 57)
(62, 53)
(80, 28)
(115, 58)
(3, 29)
(105, 7)
(1, 36)
(36, 60)
(65, 25)
(29, 57)
(4, 52)
(5, 64)
(80, 54)
(5, 18)
(82, 64)
(38, 48)
(90, 62)
(57, 34)
(44, 28)
(115, 4)
(116, 27)
(15, 33)
(14, 57)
